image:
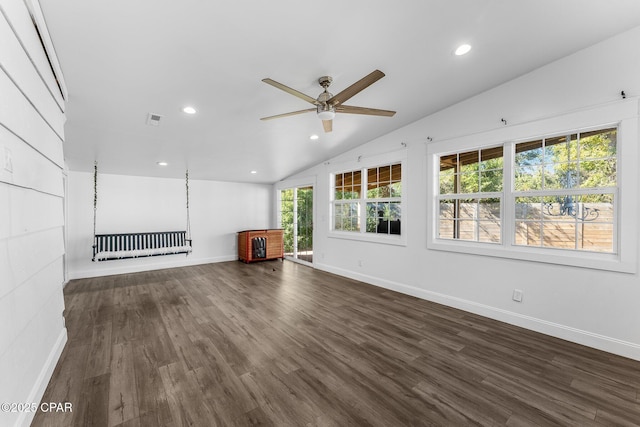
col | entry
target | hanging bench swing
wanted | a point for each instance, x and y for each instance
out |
(135, 245)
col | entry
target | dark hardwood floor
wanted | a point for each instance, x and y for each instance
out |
(281, 344)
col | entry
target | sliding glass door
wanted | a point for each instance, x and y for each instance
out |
(296, 218)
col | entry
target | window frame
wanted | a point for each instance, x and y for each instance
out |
(478, 195)
(622, 115)
(362, 165)
(572, 191)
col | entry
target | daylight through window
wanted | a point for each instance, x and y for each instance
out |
(564, 193)
(368, 200)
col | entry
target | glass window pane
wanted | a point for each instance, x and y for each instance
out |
(449, 162)
(469, 183)
(529, 153)
(469, 161)
(396, 172)
(467, 209)
(396, 189)
(560, 175)
(528, 178)
(355, 191)
(528, 208)
(600, 144)
(384, 174)
(561, 235)
(597, 207)
(559, 208)
(561, 149)
(447, 181)
(446, 228)
(348, 179)
(491, 158)
(395, 211)
(447, 209)
(595, 236)
(489, 210)
(357, 179)
(372, 176)
(372, 217)
(598, 173)
(489, 231)
(491, 180)
(528, 233)
(467, 230)
(337, 221)
(384, 191)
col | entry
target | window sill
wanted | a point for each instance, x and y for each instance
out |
(397, 240)
(592, 260)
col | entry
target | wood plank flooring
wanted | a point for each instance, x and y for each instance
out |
(281, 344)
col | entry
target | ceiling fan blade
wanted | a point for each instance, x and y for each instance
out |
(350, 109)
(291, 91)
(358, 86)
(328, 125)
(293, 113)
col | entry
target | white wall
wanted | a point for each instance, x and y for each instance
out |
(218, 211)
(32, 332)
(593, 307)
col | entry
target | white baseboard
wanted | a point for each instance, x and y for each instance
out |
(586, 338)
(113, 267)
(25, 418)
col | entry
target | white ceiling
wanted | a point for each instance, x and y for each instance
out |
(124, 59)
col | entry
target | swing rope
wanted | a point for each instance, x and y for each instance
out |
(188, 218)
(95, 195)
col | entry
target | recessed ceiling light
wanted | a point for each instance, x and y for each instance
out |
(254, 172)
(463, 49)
(162, 163)
(189, 110)
(314, 137)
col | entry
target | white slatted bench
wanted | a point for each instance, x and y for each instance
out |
(135, 245)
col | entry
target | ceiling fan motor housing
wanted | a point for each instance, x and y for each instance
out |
(324, 110)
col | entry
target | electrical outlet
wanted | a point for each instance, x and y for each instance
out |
(517, 295)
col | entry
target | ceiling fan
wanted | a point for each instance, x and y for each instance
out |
(327, 104)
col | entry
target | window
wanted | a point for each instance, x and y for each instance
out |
(563, 197)
(569, 195)
(383, 198)
(565, 191)
(368, 201)
(470, 195)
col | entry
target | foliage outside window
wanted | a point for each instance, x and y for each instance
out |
(469, 203)
(296, 219)
(565, 190)
(368, 200)
(286, 218)
(564, 193)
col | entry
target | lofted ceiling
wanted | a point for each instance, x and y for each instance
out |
(122, 60)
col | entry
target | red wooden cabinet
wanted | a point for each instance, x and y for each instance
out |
(274, 245)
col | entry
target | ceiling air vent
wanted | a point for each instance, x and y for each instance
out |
(153, 119)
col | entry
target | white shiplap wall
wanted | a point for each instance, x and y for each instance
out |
(32, 332)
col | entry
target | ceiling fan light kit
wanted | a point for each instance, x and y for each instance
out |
(327, 104)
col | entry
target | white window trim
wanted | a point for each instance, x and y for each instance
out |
(362, 164)
(624, 115)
